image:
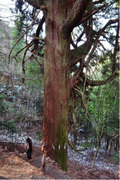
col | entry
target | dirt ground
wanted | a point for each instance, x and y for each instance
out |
(14, 165)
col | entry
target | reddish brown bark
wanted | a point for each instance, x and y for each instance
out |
(60, 19)
(56, 85)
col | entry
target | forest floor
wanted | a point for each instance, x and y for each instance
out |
(14, 165)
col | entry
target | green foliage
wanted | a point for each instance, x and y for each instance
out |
(105, 61)
(90, 145)
(2, 97)
(117, 2)
(2, 125)
(100, 120)
(3, 107)
(116, 156)
(39, 105)
(34, 80)
(34, 72)
(104, 107)
(40, 136)
(18, 116)
(9, 125)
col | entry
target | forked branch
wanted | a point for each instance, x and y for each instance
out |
(74, 16)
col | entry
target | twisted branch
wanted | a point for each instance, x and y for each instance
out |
(23, 35)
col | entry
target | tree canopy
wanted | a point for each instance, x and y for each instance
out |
(94, 32)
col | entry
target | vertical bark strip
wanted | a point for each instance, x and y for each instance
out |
(56, 86)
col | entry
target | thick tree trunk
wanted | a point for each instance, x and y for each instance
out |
(56, 84)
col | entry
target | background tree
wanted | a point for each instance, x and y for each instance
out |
(76, 34)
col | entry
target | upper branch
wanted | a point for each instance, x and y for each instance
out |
(91, 13)
(100, 82)
(99, 33)
(74, 16)
(23, 35)
(78, 54)
(116, 49)
(35, 3)
(38, 32)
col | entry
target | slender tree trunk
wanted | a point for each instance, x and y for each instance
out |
(56, 86)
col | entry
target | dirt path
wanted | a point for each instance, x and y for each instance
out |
(14, 165)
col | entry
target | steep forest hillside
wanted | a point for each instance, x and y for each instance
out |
(5, 40)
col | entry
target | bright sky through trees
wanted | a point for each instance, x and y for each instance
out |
(5, 12)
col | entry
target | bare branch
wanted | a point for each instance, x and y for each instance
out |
(93, 12)
(98, 2)
(80, 52)
(35, 3)
(99, 33)
(23, 63)
(75, 149)
(74, 16)
(36, 60)
(23, 35)
(79, 78)
(102, 46)
(28, 45)
(37, 38)
(116, 49)
(116, 136)
(100, 82)
(30, 56)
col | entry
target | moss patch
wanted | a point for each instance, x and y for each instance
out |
(61, 146)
